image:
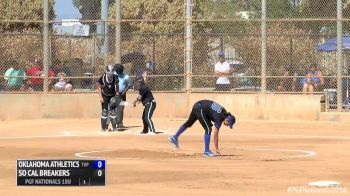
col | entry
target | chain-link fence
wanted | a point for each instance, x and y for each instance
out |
(278, 46)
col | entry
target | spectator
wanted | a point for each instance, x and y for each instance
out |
(150, 67)
(139, 64)
(58, 67)
(7, 75)
(2, 86)
(314, 80)
(222, 69)
(27, 87)
(15, 77)
(37, 72)
(288, 83)
(346, 88)
(63, 83)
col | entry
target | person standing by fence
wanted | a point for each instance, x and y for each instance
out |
(222, 69)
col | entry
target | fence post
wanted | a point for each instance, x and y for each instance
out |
(117, 32)
(339, 55)
(263, 46)
(104, 27)
(188, 49)
(46, 45)
(94, 53)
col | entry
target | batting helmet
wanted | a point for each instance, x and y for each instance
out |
(139, 79)
(231, 119)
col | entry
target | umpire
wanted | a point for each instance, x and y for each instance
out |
(124, 86)
(107, 89)
(147, 99)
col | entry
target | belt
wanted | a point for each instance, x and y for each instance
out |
(107, 95)
(150, 102)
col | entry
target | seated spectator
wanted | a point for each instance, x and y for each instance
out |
(314, 80)
(37, 72)
(63, 83)
(288, 83)
(26, 87)
(14, 77)
(58, 67)
(7, 75)
(2, 86)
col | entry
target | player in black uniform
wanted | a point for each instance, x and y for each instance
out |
(147, 99)
(206, 111)
(107, 90)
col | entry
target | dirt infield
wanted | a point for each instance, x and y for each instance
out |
(259, 158)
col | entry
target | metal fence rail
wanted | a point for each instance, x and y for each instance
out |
(269, 46)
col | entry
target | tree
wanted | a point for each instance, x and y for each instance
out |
(90, 10)
(21, 47)
(26, 10)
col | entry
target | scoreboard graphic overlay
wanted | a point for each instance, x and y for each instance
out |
(61, 172)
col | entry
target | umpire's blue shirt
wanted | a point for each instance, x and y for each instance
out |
(123, 81)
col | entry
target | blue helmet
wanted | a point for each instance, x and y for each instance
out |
(231, 120)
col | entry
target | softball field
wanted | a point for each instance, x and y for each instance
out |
(258, 157)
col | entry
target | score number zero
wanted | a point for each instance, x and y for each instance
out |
(99, 165)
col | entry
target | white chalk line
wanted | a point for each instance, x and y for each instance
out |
(34, 137)
(280, 135)
(306, 153)
(83, 155)
(68, 133)
(167, 132)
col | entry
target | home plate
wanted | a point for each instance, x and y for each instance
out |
(324, 183)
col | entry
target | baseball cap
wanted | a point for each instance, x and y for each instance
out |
(231, 120)
(221, 54)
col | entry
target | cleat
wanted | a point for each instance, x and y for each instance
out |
(152, 133)
(143, 132)
(174, 141)
(121, 126)
(209, 154)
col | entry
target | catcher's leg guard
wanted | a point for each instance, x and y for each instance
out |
(104, 117)
(114, 118)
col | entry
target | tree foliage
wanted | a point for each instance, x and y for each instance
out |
(26, 10)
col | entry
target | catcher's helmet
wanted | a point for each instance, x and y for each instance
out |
(109, 72)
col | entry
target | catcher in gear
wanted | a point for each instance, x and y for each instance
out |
(108, 86)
